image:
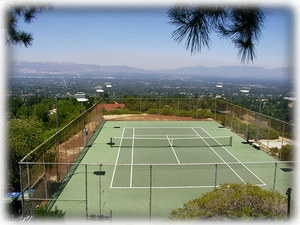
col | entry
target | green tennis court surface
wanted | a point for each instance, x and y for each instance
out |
(142, 168)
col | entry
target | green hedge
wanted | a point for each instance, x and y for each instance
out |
(234, 201)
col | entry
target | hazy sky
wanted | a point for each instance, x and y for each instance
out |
(142, 37)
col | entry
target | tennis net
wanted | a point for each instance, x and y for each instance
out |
(144, 142)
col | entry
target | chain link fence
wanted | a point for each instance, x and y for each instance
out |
(65, 147)
(45, 172)
(99, 191)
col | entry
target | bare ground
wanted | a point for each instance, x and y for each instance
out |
(149, 117)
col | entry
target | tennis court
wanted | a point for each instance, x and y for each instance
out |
(174, 153)
(141, 168)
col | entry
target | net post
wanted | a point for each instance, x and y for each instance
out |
(110, 143)
(230, 144)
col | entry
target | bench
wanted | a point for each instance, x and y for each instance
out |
(255, 145)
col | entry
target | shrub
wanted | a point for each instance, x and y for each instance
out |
(152, 111)
(234, 201)
(120, 111)
(43, 212)
(274, 150)
(287, 153)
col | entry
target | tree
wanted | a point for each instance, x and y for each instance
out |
(233, 201)
(24, 136)
(242, 26)
(41, 110)
(27, 14)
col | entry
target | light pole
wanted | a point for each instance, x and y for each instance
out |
(56, 136)
(80, 97)
(56, 106)
(245, 91)
(99, 90)
(218, 85)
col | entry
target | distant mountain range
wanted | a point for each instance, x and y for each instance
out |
(21, 68)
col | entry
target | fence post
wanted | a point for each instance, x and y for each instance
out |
(29, 188)
(282, 138)
(248, 118)
(231, 112)
(239, 121)
(288, 193)
(150, 198)
(215, 109)
(216, 174)
(45, 178)
(258, 123)
(21, 188)
(100, 189)
(274, 180)
(121, 100)
(140, 105)
(86, 193)
(178, 108)
(270, 120)
(73, 138)
(159, 105)
(57, 156)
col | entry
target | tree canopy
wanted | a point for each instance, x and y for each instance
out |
(240, 25)
(27, 14)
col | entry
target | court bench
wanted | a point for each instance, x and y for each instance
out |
(254, 144)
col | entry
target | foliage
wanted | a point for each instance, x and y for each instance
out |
(240, 25)
(43, 212)
(120, 112)
(274, 150)
(27, 14)
(287, 153)
(30, 124)
(234, 201)
(39, 108)
(24, 136)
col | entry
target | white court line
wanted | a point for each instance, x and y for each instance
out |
(162, 135)
(170, 187)
(132, 152)
(263, 183)
(113, 176)
(175, 187)
(160, 127)
(219, 156)
(173, 149)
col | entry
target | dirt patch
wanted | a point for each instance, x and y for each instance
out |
(150, 117)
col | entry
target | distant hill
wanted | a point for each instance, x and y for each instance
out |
(21, 68)
(236, 72)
